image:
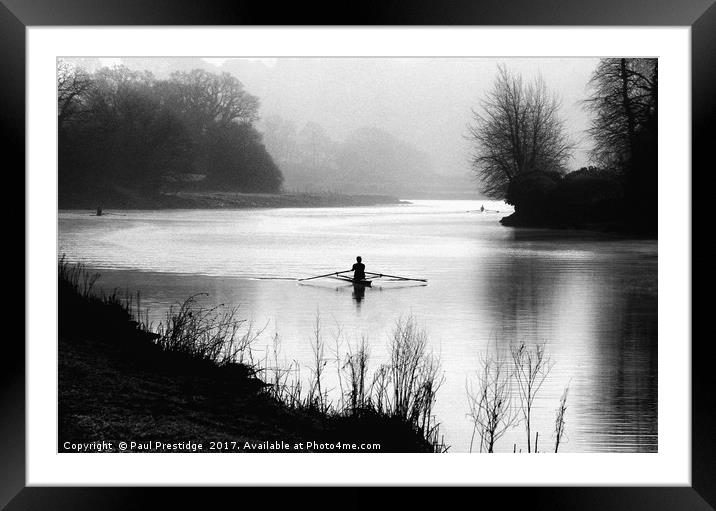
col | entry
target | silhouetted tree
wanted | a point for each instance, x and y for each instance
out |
(136, 138)
(73, 83)
(122, 131)
(625, 129)
(516, 130)
(624, 99)
(239, 161)
(205, 99)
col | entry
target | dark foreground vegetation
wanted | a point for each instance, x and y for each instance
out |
(522, 150)
(195, 379)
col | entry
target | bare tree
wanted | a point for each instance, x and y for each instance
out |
(491, 409)
(210, 99)
(356, 393)
(415, 374)
(531, 367)
(72, 84)
(624, 101)
(625, 132)
(517, 129)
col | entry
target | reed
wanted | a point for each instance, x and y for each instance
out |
(212, 334)
(503, 396)
(380, 389)
(559, 422)
(356, 367)
(77, 290)
(415, 376)
(531, 366)
(317, 397)
(397, 400)
(404, 389)
(77, 278)
(491, 408)
(274, 373)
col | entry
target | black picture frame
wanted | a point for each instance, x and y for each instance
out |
(700, 15)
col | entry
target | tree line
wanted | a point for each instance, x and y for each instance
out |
(522, 149)
(123, 132)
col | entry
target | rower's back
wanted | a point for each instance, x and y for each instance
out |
(358, 269)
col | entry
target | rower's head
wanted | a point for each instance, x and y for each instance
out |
(359, 258)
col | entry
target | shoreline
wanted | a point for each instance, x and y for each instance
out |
(226, 200)
(614, 227)
(235, 200)
(120, 381)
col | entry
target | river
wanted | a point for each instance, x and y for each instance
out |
(591, 298)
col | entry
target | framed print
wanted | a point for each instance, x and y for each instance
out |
(412, 251)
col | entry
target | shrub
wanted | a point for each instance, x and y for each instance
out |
(531, 193)
(589, 195)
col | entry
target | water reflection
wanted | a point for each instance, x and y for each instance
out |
(358, 294)
(591, 299)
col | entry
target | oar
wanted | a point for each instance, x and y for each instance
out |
(394, 276)
(326, 275)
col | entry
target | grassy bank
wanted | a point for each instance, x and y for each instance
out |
(122, 198)
(282, 200)
(194, 379)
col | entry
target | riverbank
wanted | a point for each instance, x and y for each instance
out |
(120, 381)
(521, 220)
(614, 226)
(129, 199)
(586, 199)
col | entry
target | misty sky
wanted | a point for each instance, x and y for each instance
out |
(424, 101)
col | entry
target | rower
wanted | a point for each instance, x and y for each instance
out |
(358, 270)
